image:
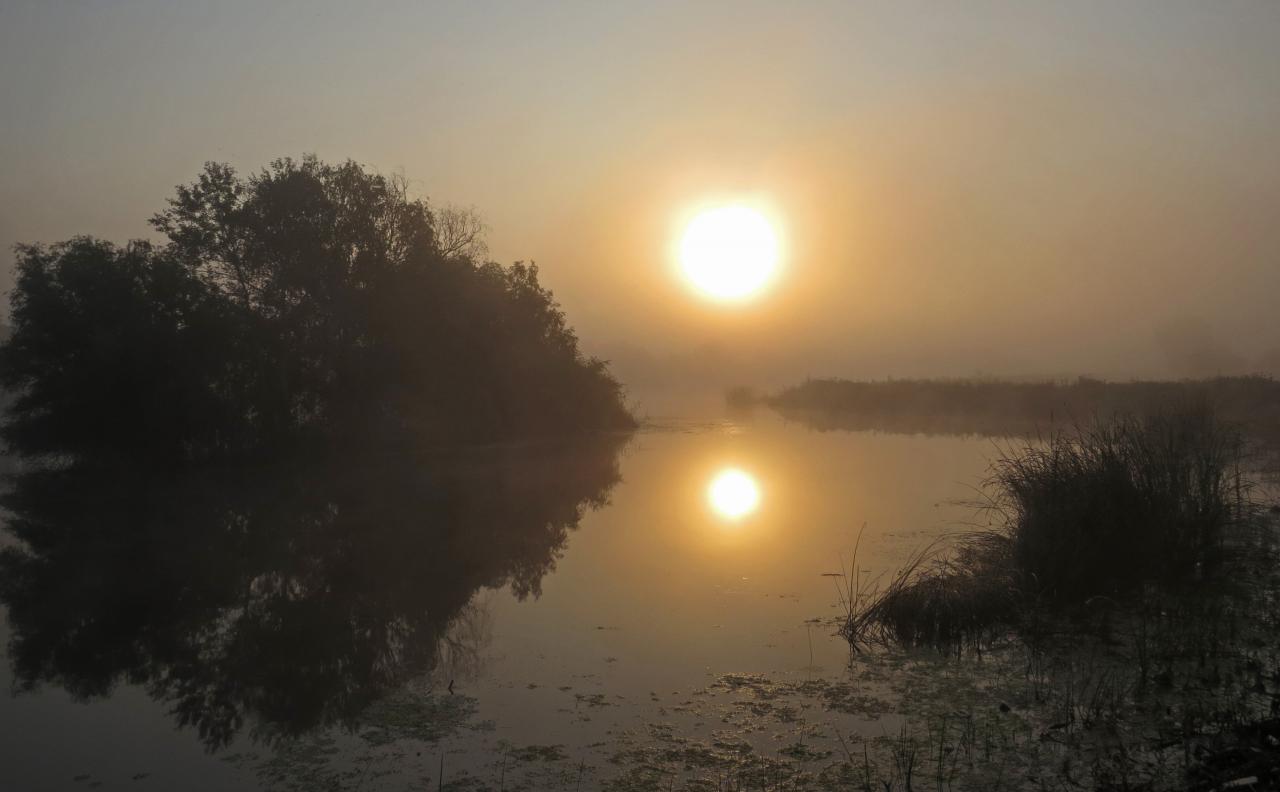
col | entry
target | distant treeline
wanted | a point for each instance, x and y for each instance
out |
(996, 407)
(308, 301)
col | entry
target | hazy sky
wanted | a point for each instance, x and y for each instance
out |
(1010, 188)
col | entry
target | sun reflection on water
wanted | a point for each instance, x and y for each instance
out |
(733, 494)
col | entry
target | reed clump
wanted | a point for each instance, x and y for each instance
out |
(1104, 508)
(1097, 510)
(948, 594)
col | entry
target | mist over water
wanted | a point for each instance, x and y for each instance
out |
(1011, 190)
(665, 396)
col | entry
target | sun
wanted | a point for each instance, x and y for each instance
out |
(729, 253)
(733, 494)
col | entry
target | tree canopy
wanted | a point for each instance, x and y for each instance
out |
(307, 300)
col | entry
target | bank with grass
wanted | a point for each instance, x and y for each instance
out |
(1126, 587)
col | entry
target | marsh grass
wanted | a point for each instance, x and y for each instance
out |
(945, 594)
(1100, 509)
(1129, 578)
(1094, 511)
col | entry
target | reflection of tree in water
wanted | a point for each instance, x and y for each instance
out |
(289, 595)
(461, 649)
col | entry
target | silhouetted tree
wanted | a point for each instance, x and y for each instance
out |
(307, 300)
(308, 339)
(118, 352)
(460, 232)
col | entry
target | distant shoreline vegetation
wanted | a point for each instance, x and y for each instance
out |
(307, 301)
(1002, 407)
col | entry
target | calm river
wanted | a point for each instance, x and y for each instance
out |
(659, 626)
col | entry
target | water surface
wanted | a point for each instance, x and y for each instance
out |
(582, 614)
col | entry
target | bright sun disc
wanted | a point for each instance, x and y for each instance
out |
(729, 253)
(733, 494)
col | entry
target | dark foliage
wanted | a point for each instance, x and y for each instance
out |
(1107, 507)
(308, 300)
(118, 352)
(949, 599)
(1095, 512)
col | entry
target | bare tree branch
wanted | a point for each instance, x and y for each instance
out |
(460, 232)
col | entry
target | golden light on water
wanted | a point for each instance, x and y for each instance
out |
(729, 253)
(733, 494)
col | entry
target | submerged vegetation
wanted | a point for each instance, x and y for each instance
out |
(306, 301)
